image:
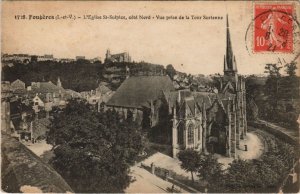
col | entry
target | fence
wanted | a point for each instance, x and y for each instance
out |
(179, 182)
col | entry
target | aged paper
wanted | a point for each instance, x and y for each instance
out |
(150, 96)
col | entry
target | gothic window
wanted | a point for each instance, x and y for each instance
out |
(180, 134)
(191, 134)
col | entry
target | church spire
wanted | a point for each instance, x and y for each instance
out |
(225, 65)
(59, 82)
(230, 66)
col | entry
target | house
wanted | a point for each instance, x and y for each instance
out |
(80, 58)
(18, 89)
(45, 95)
(45, 58)
(17, 85)
(101, 94)
(38, 103)
(72, 94)
(66, 60)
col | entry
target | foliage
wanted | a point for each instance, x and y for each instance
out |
(261, 175)
(85, 77)
(190, 160)
(276, 96)
(273, 70)
(244, 176)
(291, 68)
(170, 71)
(210, 169)
(93, 150)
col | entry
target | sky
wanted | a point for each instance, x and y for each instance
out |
(192, 46)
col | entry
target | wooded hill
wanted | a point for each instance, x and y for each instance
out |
(80, 75)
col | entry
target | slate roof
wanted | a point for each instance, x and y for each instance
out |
(69, 92)
(191, 104)
(46, 87)
(171, 97)
(21, 167)
(138, 91)
(206, 97)
(103, 89)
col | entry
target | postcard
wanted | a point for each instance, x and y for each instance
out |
(150, 96)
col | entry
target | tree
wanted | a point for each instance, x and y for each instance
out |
(273, 70)
(93, 150)
(272, 88)
(263, 175)
(291, 68)
(170, 71)
(210, 170)
(190, 161)
(84, 78)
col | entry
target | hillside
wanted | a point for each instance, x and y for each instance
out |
(81, 75)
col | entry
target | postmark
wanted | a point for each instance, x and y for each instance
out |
(273, 28)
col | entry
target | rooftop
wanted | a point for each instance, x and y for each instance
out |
(21, 167)
(138, 91)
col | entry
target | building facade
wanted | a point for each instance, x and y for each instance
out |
(5, 106)
(211, 121)
(17, 85)
(120, 57)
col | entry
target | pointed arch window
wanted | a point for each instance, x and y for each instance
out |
(191, 134)
(180, 134)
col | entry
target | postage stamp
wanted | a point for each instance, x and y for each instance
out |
(273, 28)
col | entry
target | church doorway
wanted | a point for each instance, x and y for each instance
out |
(217, 139)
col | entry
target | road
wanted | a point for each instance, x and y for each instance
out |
(293, 134)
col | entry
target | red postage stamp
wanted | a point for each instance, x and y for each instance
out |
(273, 28)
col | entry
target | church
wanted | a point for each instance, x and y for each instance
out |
(210, 122)
(120, 57)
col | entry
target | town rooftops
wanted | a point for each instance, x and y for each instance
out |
(138, 91)
(103, 89)
(45, 87)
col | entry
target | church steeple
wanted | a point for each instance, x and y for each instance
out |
(59, 82)
(229, 60)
